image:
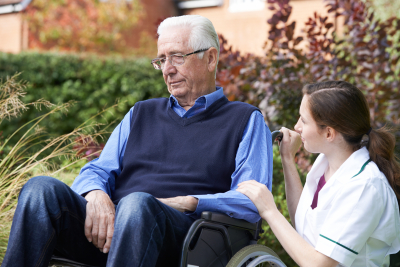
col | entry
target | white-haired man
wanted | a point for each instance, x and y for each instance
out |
(166, 162)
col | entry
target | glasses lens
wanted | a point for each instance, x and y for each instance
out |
(156, 64)
(177, 60)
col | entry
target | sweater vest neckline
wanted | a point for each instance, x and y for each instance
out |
(198, 117)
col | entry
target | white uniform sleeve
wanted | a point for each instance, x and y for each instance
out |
(353, 217)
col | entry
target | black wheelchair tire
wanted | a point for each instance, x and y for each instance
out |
(249, 252)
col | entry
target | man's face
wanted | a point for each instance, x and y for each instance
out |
(189, 80)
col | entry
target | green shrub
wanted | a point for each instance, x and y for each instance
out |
(92, 81)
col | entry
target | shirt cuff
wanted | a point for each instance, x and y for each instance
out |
(206, 203)
(336, 251)
(83, 190)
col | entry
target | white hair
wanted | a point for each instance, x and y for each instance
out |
(202, 32)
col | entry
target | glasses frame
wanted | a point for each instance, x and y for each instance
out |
(153, 62)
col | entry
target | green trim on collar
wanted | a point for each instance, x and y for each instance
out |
(340, 245)
(362, 168)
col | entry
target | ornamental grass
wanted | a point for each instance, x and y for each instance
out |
(31, 151)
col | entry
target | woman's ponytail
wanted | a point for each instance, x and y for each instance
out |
(381, 151)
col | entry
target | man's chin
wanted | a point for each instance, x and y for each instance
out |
(178, 92)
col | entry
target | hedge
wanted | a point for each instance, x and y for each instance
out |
(95, 82)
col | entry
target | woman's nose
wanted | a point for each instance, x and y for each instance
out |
(298, 127)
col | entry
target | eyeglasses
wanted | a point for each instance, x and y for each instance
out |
(175, 59)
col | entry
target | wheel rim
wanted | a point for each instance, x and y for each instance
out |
(255, 255)
(271, 260)
(256, 260)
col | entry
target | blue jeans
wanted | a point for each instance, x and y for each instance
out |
(50, 219)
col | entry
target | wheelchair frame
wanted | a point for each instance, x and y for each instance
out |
(235, 234)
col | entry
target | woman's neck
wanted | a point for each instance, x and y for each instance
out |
(336, 157)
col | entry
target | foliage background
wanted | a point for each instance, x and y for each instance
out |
(95, 82)
(385, 9)
(82, 25)
(365, 52)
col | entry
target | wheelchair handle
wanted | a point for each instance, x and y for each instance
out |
(276, 135)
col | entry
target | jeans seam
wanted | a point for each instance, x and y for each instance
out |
(72, 214)
(53, 233)
(151, 237)
(44, 250)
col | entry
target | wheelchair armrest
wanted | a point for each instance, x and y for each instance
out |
(225, 219)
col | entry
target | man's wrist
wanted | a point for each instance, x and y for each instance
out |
(90, 193)
(192, 203)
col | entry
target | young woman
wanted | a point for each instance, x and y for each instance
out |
(348, 212)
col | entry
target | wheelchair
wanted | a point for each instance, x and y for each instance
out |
(216, 240)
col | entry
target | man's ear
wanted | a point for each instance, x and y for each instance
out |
(212, 57)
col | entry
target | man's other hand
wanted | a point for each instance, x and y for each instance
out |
(181, 204)
(99, 223)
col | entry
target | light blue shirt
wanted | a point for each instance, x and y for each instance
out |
(253, 162)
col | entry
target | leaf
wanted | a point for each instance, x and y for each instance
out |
(297, 41)
(290, 31)
(329, 25)
(285, 45)
(322, 20)
(236, 70)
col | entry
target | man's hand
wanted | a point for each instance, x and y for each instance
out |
(181, 204)
(99, 223)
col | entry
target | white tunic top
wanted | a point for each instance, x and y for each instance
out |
(357, 221)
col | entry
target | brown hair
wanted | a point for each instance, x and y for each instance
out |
(343, 107)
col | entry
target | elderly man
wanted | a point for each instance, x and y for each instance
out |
(165, 163)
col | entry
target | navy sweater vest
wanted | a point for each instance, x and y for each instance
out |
(168, 156)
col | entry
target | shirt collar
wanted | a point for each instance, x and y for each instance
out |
(206, 100)
(352, 165)
(346, 171)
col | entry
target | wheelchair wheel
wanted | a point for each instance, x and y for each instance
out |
(255, 255)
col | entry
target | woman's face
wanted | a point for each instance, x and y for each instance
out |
(311, 135)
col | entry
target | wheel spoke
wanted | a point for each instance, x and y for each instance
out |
(255, 255)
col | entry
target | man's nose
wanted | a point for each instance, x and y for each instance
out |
(168, 68)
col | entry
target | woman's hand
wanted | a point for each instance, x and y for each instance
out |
(260, 195)
(290, 143)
